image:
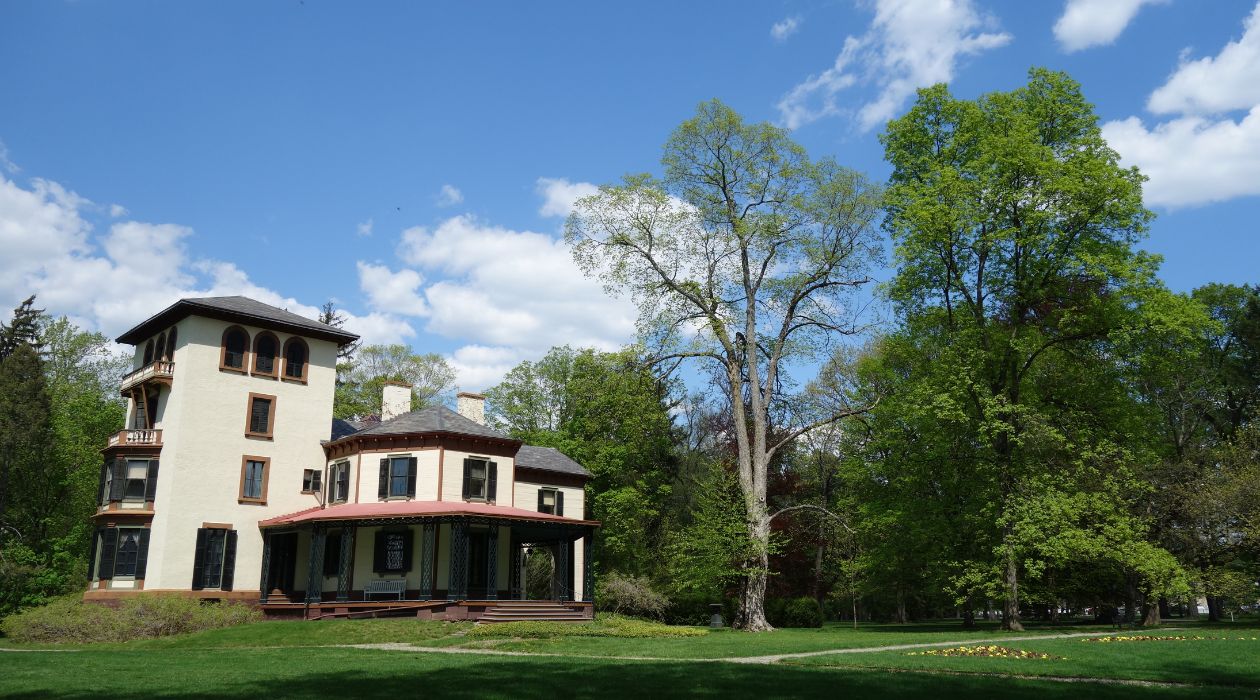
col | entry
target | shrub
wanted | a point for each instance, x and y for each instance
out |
(70, 620)
(606, 625)
(630, 595)
(794, 612)
(690, 609)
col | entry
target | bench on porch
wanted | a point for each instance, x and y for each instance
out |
(381, 586)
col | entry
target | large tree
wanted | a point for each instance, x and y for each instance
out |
(361, 380)
(1014, 227)
(745, 256)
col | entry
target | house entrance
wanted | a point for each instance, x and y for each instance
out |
(283, 563)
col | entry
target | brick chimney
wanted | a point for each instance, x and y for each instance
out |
(471, 406)
(395, 400)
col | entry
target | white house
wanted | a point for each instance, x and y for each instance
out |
(233, 481)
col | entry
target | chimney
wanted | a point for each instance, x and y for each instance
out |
(471, 406)
(395, 400)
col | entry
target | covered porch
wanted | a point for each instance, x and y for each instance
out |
(427, 559)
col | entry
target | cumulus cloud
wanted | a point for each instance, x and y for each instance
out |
(117, 211)
(910, 44)
(785, 28)
(1088, 23)
(392, 292)
(7, 165)
(449, 196)
(365, 228)
(480, 367)
(559, 195)
(1203, 154)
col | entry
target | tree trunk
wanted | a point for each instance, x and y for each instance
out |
(753, 602)
(969, 614)
(901, 617)
(1151, 618)
(1010, 606)
(1164, 610)
(1214, 608)
(818, 563)
(1192, 607)
(1130, 598)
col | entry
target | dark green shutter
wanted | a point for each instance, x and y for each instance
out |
(407, 547)
(229, 561)
(382, 489)
(199, 560)
(332, 554)
(378, 553)
(96, 540)
(150, 484)
(118, 486)
(109, 547)
(411, 477)
(492, 480)
(343, 479)
(541, 504)
(100, 489)
(467, 477)
(142, 554)
(559, 502)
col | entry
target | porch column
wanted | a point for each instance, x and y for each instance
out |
(315, 567)
(457, 588)
(263, 585)
(345, 563)
(427, 560)
(492, 564)
(562, 571)
(588, 572)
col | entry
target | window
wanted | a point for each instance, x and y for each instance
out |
(254, 479)
(311, 480)
(392, 553)
(339, 482)
(547, 501)
(266, 347)
(128, 551)
(137, 476)
(262, 413)
(398, 477)
(107, 482)
(332, 554)
(123, 552)
(479, 479)
(169, 354)
(159, 352)
(148, 354)
(214, 562)
(295, 359)
(131, 480)
(235, 348)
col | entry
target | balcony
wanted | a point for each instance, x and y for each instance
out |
(136, 438)
(160, 372)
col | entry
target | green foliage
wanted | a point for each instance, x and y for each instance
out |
(794, 612)
(70, 620)
(605, 625)
(710, 553)
(361, 379)
(629, 595)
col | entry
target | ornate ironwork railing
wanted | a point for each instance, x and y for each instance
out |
(151, 438)
(158, 370)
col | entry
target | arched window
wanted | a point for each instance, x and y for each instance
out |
(235, 349)
(295, 356)
(148, 354)
(159, 352)
(266, 347)
(169, 354)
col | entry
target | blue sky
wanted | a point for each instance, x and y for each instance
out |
(415, 162)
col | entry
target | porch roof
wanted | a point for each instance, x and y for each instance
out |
(414, 509)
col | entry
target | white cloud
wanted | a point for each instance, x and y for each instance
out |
(1088, 23)
(117, 211)
(910, 44)
(449, 196)
(7, 165)
(364, 228)
(480, 367)
(559, 195)
(1211, 85)
(785, 28)
(392, 292)
(1200, 155)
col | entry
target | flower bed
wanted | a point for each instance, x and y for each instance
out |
(992, 651)
(1157, 638)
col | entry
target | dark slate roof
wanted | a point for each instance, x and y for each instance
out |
(343, 428)
(432, 419)
(548, 459)
(242, 309)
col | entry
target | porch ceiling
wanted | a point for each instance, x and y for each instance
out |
(414, 509)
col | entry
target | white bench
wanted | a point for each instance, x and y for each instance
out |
(380, 586)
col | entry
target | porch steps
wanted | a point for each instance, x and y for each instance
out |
(525, 610)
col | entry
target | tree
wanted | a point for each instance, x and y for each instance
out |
(744, 256)
(330, 315)
(23, 329)
(432, 379)
(1014, 227)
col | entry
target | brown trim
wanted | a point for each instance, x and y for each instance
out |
(240, 493)
(413, 442)
(107, 596)
(245, 356)
(217, 526)
(275, 357)
(441, 464)
(271, 415)
(358, 467)
(127, 518)
(306, 364)
(543, 477)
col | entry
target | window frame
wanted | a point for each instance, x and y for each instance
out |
(542, 496)
(306, 360)
(309, 476)
(262, 489)
(127, 498)
(245, 353)
(118, 545)
(221, 534)
(259, 337)
(484, 495)
(271, 416)
(394, 476)
(335, 472)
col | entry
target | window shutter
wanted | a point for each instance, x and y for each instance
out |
(382, 490)
(407, 542)
(540, 500)
(229, 560)
(492, 481)
(411, 477)
(96, 539)
(150, 484)
(332, 487)
(467, 477)
(378, 553)
(109, 547)
(118, 486)
(343, 478)
(559, 502)
(100, 488)
(142, 553)
(199, 560)
(332, 554)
